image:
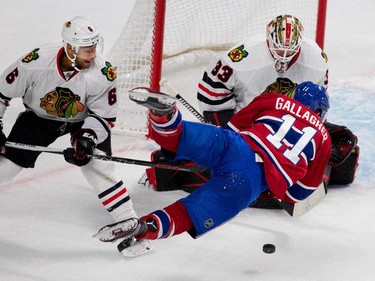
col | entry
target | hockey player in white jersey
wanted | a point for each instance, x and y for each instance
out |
(66, 89)
(239, 75)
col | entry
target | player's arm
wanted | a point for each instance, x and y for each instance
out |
(13, 83)
(303, 188)
(215, 93)
(96, 129)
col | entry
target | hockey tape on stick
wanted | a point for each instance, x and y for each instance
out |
(31, 147)
(302, 207)
(164, 83)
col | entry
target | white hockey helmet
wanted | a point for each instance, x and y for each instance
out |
(80, 32)
(284, 38)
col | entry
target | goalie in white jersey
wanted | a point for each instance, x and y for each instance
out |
(66, 89)
(239, 75)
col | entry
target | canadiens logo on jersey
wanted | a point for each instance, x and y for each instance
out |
(62, 103)
(33, 55)
(238, 54)
(109, 71)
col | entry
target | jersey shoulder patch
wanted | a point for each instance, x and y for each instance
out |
(33, 55)
(109, 71)
(238, 53)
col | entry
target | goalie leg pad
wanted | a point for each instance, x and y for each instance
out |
(167, 180)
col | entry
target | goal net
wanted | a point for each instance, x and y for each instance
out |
(162, 37)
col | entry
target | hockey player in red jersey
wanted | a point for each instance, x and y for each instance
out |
(233, 80)
(277, 142)
(66, 89)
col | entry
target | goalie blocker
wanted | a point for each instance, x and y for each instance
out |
(340, 170)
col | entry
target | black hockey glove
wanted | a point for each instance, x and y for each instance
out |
(344, 156)
(3, 138)
(167, 180)
(343, 142)
(218, 118)
(84, 143)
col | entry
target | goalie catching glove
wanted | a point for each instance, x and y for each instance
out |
(84, 143)
(344, 155)
(167, 180)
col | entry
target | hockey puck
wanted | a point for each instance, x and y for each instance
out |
(269, 248)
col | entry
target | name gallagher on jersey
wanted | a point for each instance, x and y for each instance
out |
(301, 112)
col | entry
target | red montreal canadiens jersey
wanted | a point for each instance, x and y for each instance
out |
(291, 140)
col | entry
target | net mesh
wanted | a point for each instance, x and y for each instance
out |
(194, 32)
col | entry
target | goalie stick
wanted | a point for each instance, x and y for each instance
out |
(173, 92)
(300, 208)
(31, 147)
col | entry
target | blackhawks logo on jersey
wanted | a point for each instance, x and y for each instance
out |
(238, 54)
(281, 86)
(62, 103)
(33, 55)
(109, 71)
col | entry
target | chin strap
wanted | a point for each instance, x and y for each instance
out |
(72, 60)
(281, 67)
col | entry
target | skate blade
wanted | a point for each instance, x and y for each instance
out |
(155, 100)
(140, 248)
(112, 232)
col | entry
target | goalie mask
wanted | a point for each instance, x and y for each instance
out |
(80, 32)
(313, 96)
(284, 38)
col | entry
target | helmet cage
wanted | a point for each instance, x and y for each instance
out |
(284, 37)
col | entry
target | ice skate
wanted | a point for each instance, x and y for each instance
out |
(130, 247)
(123, 229)
(156, 101)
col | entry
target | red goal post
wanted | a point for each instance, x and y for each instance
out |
(162, 36)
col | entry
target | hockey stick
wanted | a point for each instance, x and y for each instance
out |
(302, 207)
(172, 91)
(31, 147)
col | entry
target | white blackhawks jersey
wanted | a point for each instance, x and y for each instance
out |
(51, 94)
(238, 76)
